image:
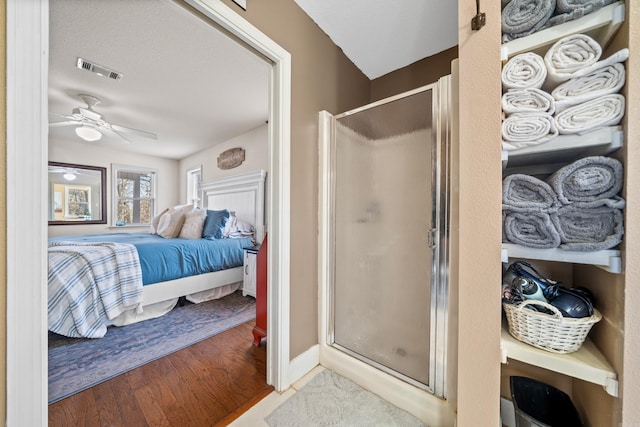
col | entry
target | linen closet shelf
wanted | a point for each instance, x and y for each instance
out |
(588, 363)
(609, 259)
(563, 149)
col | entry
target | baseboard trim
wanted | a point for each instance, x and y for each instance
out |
(304, 363)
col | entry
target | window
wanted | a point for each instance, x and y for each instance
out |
(194, 176)
(77, 202)
(134, 195)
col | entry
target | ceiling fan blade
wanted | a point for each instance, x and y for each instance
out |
(122, 129)
(64, 116)
(125, 139)
(67, 123)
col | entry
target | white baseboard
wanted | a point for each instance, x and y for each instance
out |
(304, 363)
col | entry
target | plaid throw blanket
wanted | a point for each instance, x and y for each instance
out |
(90, 284)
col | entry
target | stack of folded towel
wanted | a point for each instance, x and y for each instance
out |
(524, 17)
(577, 208)
(571, 90)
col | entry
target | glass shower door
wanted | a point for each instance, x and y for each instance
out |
(385, 233)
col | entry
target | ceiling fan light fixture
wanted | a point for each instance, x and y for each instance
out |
(88, 133)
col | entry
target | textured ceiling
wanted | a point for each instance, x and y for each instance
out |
(193, 86)
(183, 79)
(380, 36)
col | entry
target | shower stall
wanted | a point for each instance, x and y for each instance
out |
(384, 237)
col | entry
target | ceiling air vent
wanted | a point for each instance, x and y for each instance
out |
(98, 69)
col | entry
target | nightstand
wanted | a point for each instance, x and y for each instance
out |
(249, 277)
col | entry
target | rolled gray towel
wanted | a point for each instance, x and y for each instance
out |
(588, 229)
(527, 193)
(586, 6)
(523, 17)
(530, 229)
(588, 181)
(503, 3)
(570, 10)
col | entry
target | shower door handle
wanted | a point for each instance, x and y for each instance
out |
(432, 238)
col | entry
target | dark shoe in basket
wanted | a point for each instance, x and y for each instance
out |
(575, 303)
(526, 282)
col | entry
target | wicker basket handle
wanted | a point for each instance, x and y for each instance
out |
(544, 304)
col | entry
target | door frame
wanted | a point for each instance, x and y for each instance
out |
(27, 46)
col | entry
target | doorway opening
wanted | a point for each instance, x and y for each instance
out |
(27, 39)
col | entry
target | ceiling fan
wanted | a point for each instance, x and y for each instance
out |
(69, 174)
(90, 125)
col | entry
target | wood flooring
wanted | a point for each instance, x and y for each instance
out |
(207, 384)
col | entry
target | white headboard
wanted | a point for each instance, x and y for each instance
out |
(242, 193)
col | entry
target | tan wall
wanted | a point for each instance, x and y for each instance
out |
(3, 216)
(418, 74)
(322, 79)
(479, 198)
(256, 156)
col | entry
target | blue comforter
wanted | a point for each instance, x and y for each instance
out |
(168, 259)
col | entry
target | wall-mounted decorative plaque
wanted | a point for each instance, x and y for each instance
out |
(231, 158)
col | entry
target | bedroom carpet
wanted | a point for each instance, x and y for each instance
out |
(332, 400)
(76, 364)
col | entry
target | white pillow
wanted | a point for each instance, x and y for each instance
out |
(155, 221)
(236, 228)
(230, 225)
(193, 223)
(171, 222)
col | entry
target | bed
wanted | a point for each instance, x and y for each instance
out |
(169, 268)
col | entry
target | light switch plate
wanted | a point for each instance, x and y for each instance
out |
(241, 3)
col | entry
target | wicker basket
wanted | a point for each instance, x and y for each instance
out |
(551, 332)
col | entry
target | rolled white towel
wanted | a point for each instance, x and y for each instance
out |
(568, 55)
(524, 71)
(522, 130)
(606, 110)
(527, 101)
(603, 81)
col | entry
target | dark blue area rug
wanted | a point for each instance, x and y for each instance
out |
(77, 364)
